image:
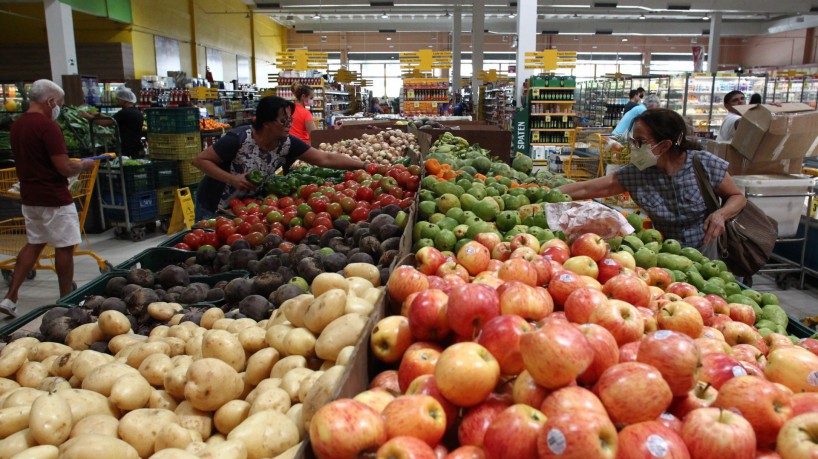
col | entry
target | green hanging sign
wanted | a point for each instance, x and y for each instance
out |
(520, 132)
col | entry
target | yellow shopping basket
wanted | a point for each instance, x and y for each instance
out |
(13, 230)
(581, 168)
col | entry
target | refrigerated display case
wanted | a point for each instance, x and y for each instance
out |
(657, 85)
(787, 88)
(12, 96)
(601, 102)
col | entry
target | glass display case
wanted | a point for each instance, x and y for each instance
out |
(785, 88)
(12, 96)
(657, 85)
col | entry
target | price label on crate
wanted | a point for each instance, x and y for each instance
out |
(184, 212)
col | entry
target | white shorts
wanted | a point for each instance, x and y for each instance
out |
(58, 226)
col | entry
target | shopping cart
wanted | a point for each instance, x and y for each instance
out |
(13, 230)
(584, 162)
(614, 156)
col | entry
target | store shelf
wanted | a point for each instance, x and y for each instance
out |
(550, 144)
(552, 102)
(554, 114)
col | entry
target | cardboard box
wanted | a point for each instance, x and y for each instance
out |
(772, 133)
(739, 165)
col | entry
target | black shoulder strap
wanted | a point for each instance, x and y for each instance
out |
(710, 198)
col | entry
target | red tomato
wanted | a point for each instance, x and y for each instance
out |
(397, 192)
(242, 213)
(236, 203)
(254, 239)
(318, 204)
(225, 231)
(351, 184)
(347, 175)
(360, 214)
(244, 228)
(210, 238)
(258, 228)
(405, 203)
(335, 210)
(233, 238)
(307, 190)
(295, 234)
(347, 204)
(203, 223)
(413, 183)
(371, 168)
(278, 232)
(193, 240)
(286, 246)
(321, 221)
(298, 202)
(365, 194)
(323, 215)
(309, 218)
(349, 192)
(198, 232)
(248, 201)
(285, 202)
(277, 226)
(270, 202)
(403, 177)
(319, 230)
(388, 199)
(375, 205)
(252, 219)
(339, 187)
(375, 184)
(181, 246)
(363, 204)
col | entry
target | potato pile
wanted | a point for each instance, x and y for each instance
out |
(225, 388)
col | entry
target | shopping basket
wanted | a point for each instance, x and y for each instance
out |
(582, 164)
(13, 230)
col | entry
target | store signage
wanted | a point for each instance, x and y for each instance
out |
(520, 132)
(491, 76)
(425, 60)
(550, 59)
(302, 60)
(345, 76)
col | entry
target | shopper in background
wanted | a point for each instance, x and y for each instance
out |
(375, 106)
(265, 145)
(661, 179)
(624, 124)
(303, 123)
(730, 123)
(755, 98)
(43, 168)
(129, 119)
(635, 99)
(641, 92)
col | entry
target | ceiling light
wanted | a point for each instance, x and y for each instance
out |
(593, 47)
(384, 15)
(625, 39)
(388, 38)
(705, 18)
(316, 16)
(642, 16)
(512, 14)
(430, 46)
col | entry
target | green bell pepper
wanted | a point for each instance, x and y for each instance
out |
(255, 177)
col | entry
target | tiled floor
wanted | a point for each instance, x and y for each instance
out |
(43, 289)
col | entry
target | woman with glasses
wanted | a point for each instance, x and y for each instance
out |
(265, 145)
(662, 181)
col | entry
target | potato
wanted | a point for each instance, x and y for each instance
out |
(268, 383)
(50, 420)
(211, 383)
(326, 365)
(343, 331)
(275, 336)
(175, 380)
(196, 447)
(83, 336)
(215, 439)
(163, 311)
(119, 342)
(363, 270)
(273, 399)
(324, 309)
(130, 392)
(260, 364)
(23, 396)
(176, 319)
(27, 342)
(291, 381)
(8, 385)
(13, 419)
(252, 339)
(291, 453)
(101, 379)
(11, 361)
(322, 391)
(42, 351)
(48, 362)
(160, 331)
(265, 434)
(193, 419)
(228, 449)
(373, 295)
(294, 308)
(358, 305)
(222, 324)
(263, 324)
(154, 367)
(277, 318)
(230, 415)
(142, 351)
(210, 317)
(344, 355)
(241, 324)
(31, 374)
(193, 346)
(16, 443)
(86, 361)
(85, 403)
(299, 341)
(162, 399)
(173, 453)
(177, 345)
(98, 447)
(296, 414)
(113, 323)
(100, 424)
(286, 364)
(140, 428)
(175, 436)
(39, 452)
(178, 331)
(307, 383)
(325, 282)
(359, 285)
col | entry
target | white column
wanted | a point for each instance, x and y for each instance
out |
(61, 48)
(457, 47)
(714, 43)
(526, 41)
(478, 24)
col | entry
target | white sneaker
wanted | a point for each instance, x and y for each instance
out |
(8, 307)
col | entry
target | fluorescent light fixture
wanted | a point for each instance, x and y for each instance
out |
(569, 6)
(642, 16)
(384, 15)
(316, 16)
(705, 18)
(512, 14)
(625, 39)
(388, 38)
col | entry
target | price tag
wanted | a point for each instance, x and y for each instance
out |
(184, 212)
(417, 104)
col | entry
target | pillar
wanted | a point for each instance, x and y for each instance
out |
(194, 58)
(457, 47)
(714, 43)
(62, 50)
(526, 42)
(478, 25)
(809, 46)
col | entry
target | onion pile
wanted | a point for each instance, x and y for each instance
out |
(382, 148)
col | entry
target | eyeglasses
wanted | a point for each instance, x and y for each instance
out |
(286, 123)
(637, 142)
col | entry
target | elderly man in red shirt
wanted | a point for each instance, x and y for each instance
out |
(43, 168)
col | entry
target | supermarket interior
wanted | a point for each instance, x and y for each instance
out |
(420, 229)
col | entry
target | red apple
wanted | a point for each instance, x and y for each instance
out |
(810, 344)
(704, 306)
(749, 353)
(558, 254)
(763, 404)
(429, 259)
(651, 325)
(470, 306)
(426, 385)
(627, 288)
(525, 240)
(582, 265)
(683, 289)
(377, 399)
(742, 313)
(562, 284)
(718, 322)
(676, 357)
(606, 352)
(451, 268)
(659, 277)
(670, 421)
(387, 379)
(467, 452)
(608, 268)
(621, 319)
(805, 402)
(488, 278)
(555, 353)
(794, 367)
(702, 396)
(436, 282)
(618, 386)
(524, 253)
(591, 245)
(474, 257)
(712, 433)
(415, 363)
(740, 333)
(710, 332)
(590, 282)
(405, 447)
(519, 270)
(428, 316)
(526, 390)
(466, 373)
(501, 251)
(513, 433)
(477, 419)
(404, 281)
(543, 268)
(715, 300)
(580, 435)
(628, 352)
(581, 303)
(501, 336)
(489, 240)
(681, 317)
(650, 439)
(776, 340)
(797, 437)
(527, 302)
(419, 416)
(642, 273)
(571, 399)
(718, 368)
(494, 266)
(390, 338)
(346, 428)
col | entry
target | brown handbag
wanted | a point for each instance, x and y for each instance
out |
(749, 237)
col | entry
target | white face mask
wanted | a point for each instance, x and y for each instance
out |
(643, 156)
(55, 111)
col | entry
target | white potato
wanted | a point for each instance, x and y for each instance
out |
(154, 367)
(228, 449)
(31, 374)
(16, 443)
(273, 399)
(291, 382)
(260, 364)
(50, 421)
(140, 428)
(42, 351)
(324, 309)
(39, 452)
(286, 364)
(211, 383)
(175, 436)
(193, 419)
(230, 415)
(252, 339)
(162, 399)
(325, 282)
(13, 419)
(102, 378)
(86, 361)
(98, 447)
(341, 332)
(210, 317)
(85, 403)
(266, 434)
(364, 270)
(299, 341)
(99, 424)
(130, 392)
(83, 336)
(11, 361)
(113, 323)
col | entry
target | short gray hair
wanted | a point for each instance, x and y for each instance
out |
(42, 90)
(652, 101)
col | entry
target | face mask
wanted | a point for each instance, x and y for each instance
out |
(55, 111)
(643, 157)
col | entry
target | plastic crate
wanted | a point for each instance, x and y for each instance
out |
(156, 258)
(786, 210)
(165, 174)
(141, 206)
(172, 120)
(796, 328)
(21, 321)
(138, 178)
(165, 198)
(174, 146)
(188, 173)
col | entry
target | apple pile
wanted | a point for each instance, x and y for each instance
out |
(505, 352)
